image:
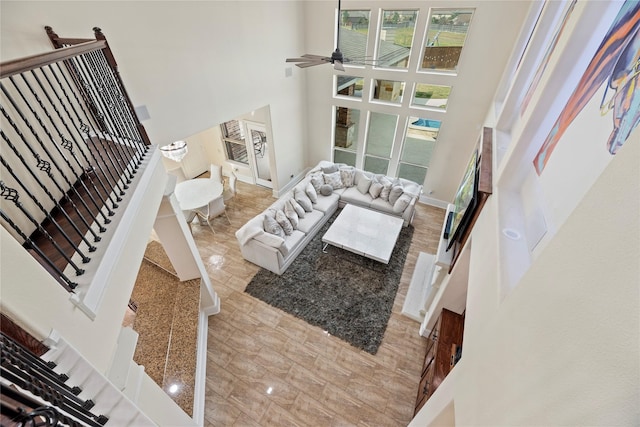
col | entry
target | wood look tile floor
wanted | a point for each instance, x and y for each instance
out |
(268, 368)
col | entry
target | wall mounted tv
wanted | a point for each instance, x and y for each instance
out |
(465, 201)
(472, 194)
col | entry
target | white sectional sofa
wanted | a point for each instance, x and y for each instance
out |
(298, 222)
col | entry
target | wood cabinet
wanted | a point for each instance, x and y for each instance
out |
(444, 341)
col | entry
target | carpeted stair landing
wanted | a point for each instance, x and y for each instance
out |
(166, 320)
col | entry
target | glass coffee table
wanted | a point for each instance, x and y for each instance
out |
(364, 232)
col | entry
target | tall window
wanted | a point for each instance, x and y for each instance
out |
(380, 135)
(417, 149)
(234, 141)
(396, 38)
(346, 135)
(445, 38)
(354, 33)
(406, 102)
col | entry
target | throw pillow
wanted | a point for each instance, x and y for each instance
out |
(303, 200)
(299, 209)
(311, 193)
(271, 226)
(316, 180)
(291, 213)
(364, 183)
(401, 204)
(326, 190)
(386, 188)
(347, 175)
(396, 192)
(284, 222)
(334, 180)
(330, 169)
(374, 189)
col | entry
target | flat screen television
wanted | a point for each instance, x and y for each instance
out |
(465, 201)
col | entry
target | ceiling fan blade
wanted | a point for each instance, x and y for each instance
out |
(310, 56)
(337, 65)
(310, 64)
(297, 60)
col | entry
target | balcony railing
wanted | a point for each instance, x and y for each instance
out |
(71, 147)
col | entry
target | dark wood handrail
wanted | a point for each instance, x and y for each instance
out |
(27, 63)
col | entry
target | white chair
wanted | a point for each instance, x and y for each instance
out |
(216, 173)
(231, 190)
(189, 216)
(214, 209)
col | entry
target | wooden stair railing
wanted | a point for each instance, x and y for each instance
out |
(71, 147)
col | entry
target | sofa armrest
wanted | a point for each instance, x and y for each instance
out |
(263, 255)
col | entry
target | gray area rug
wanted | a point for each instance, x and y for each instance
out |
(345, 294)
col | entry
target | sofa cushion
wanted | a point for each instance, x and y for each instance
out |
(401, 204)
(326, 189)
(374, 189)
(272, 226)
(396, 192)
(327, 203)
(329, 168)
(316, 180)
(307, 223)
(410, 188)
(386, 188)
(311, 192)
(363, 184)
(334, 180)
(348, 175)
(382, 206)
(291, 213)
(302, 199)
(270, 240)
(291, 241)
(353, 195)
(284, 222)
(299, 209)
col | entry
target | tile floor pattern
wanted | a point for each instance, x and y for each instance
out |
(268, 368)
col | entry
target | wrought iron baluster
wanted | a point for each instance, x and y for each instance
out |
(45, 167)
(66, 282)
(93, 119)
(65, 141)
(35, 200)
(46, 150)
(114, 148)
(121, 104)
(48, 193)
(110, 105)
(12, 195)
(31, 373)
(106, 173)
(80, 143)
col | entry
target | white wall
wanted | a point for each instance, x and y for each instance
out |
(562, 348)
(193, 64)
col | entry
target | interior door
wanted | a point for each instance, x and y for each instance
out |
(260, 155)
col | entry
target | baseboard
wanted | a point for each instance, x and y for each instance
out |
(433, 202)
(201, 369)
(292, 183)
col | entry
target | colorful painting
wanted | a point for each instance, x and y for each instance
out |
(617, 61)
(545, 59)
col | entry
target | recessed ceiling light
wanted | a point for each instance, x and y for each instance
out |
(511, 233)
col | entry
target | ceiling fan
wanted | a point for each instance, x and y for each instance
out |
(336, 58)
